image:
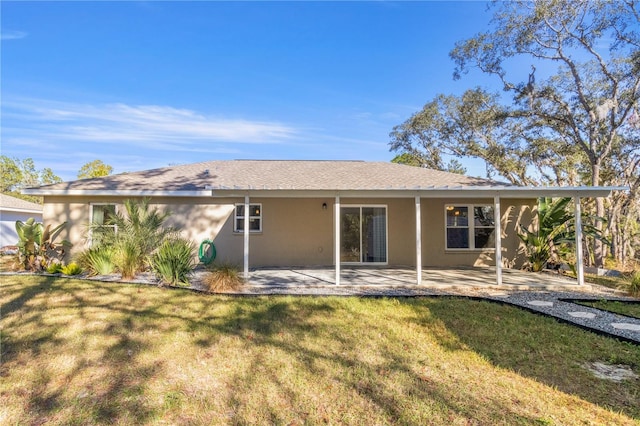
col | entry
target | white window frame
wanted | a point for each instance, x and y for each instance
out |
(386, 224)
(236, 218)
(91, 206)
(471, 226)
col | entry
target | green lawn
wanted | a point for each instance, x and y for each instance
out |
(629, 309)
(78, 352)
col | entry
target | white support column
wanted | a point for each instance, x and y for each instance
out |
(336, 239)
(498, 235)
(418, 242)
(246, 237)
(579, 258)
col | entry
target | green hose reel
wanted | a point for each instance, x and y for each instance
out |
(207, 252)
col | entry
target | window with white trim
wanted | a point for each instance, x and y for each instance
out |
(101, 222)
(255, 218)
(469, 227)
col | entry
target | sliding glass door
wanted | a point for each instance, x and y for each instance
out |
(363, 234)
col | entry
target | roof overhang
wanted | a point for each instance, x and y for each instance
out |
(116, 193)
(19, 210)
(449, 192)
(433, 192)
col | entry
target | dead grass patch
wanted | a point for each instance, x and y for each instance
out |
(223, 278)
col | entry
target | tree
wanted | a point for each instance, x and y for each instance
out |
(416, 160)
(93, 169)
(16, 174)
(572, 126)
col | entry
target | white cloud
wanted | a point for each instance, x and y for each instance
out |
(162, 127)
(12, 35)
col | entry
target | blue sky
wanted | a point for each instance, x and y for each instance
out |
(141, 85)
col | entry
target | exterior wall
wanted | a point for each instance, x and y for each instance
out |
(299, 232)
(513, 213)
(8, 235)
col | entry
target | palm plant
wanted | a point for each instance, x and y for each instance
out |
(555, 229)
(555, 233)
(174, 260)
(36, 244)
(140, 230)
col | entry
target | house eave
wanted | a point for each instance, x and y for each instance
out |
(18, 210)
(423, 192)
(116, 193)
(449, 192)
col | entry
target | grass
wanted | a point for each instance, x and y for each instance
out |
(629, 309)
(79, 352)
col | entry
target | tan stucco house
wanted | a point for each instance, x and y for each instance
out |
(320, 213)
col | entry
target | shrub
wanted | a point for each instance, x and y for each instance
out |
(634, 284)
(140, 231)
(36, 244)
(127, 258)
(98, 260)
(174, 261)
(71, 269)
(223, 278)
(54, 268)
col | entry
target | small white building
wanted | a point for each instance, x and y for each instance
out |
(11, 210)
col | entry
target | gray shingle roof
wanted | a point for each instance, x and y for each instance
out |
(274, 175)
(13, 203)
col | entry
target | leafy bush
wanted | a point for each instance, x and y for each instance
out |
(127, 258)
(71, 269)
(139, 232)
(98, 260)
(223, 278)
(36, 246)
(174, 260)
(634, 284)
(54, 268)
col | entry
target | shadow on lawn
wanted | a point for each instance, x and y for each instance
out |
(115, 376)
(541, 348)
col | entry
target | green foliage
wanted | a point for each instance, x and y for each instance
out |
(71, 269)
(16, 174)
(36, 244)
(140, 231)
(415, 159)
(634, 284)
(576, 125)
(552, 231)
(98, 260)
(127, 258)
(54, 268)
(223, 278)
(174, 260)
(93, 169)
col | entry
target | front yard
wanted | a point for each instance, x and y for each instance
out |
(79, 352)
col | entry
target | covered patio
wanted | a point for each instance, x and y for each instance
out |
(436, 278)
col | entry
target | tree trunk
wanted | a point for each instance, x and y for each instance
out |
(598, 252)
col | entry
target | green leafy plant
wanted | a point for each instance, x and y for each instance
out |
(552, 231)
(634, 284)
(127, 258)
(98, 260)
(140, 231)
(54, 268)
(554, 237)
(71, 269)
(36, 246)
(174, 260)
(223, 278)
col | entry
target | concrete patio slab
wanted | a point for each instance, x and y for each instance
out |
(406, 277)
